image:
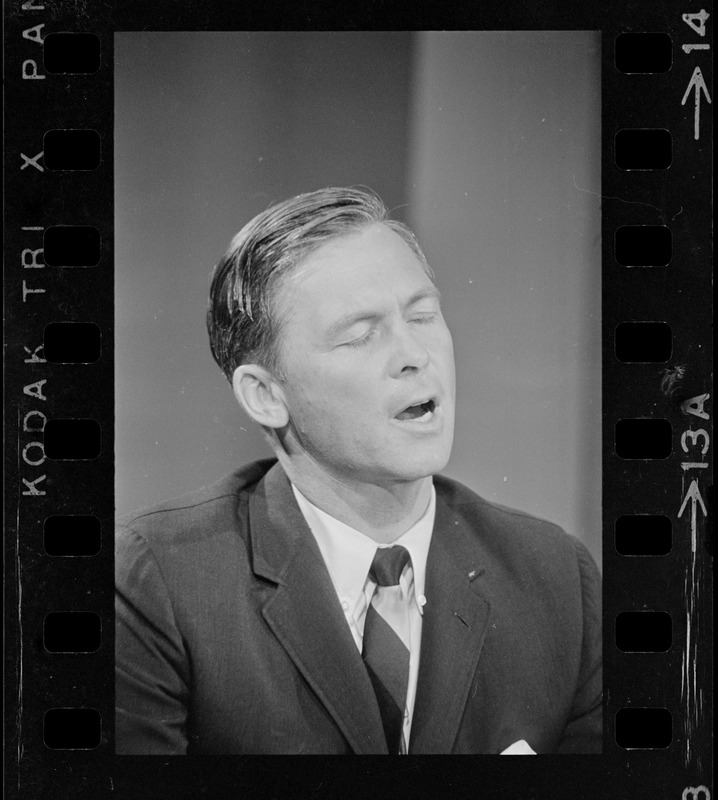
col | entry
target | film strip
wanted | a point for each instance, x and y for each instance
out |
(649, 331)
(657, 410)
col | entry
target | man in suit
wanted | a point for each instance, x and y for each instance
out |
(343, 597)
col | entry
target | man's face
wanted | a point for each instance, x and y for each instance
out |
(368, 360)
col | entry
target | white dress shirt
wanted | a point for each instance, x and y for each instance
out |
(348, 555)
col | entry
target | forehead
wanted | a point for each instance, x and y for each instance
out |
(365, 264)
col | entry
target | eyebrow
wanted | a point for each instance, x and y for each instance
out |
(428, 291)
(372, 316)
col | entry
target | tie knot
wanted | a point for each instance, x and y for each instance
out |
(388, 564)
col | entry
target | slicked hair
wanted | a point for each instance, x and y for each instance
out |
(242, 318)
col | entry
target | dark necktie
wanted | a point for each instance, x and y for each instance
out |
(386, 641)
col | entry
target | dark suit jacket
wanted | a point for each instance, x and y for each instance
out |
(231, 639)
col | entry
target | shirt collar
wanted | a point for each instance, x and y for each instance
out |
(348, 553)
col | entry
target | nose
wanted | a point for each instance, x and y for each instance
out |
(409, 353)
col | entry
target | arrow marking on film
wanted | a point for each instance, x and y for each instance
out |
(696, 82)
(693, 494)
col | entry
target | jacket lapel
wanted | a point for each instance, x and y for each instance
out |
(305, 616)
(455, 620)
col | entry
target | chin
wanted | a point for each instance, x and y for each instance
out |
(423, 467)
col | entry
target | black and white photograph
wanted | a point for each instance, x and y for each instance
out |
(358, 400)
(358, 392)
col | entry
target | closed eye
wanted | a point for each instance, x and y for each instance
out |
(424, 318)
(362, 342)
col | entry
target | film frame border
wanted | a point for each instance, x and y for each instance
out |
(679, 582)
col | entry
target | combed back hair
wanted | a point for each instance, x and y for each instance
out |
(242, 319)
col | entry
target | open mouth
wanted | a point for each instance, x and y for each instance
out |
(421, 411)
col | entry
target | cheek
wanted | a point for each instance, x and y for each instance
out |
(444, 353)
(322, 401)
(338, 413)
(329, 385)
(449, 350)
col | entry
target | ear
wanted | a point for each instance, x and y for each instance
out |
(260, 395)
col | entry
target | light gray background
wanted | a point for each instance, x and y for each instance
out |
(486, 143)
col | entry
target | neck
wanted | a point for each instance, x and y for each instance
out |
(382, 511)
